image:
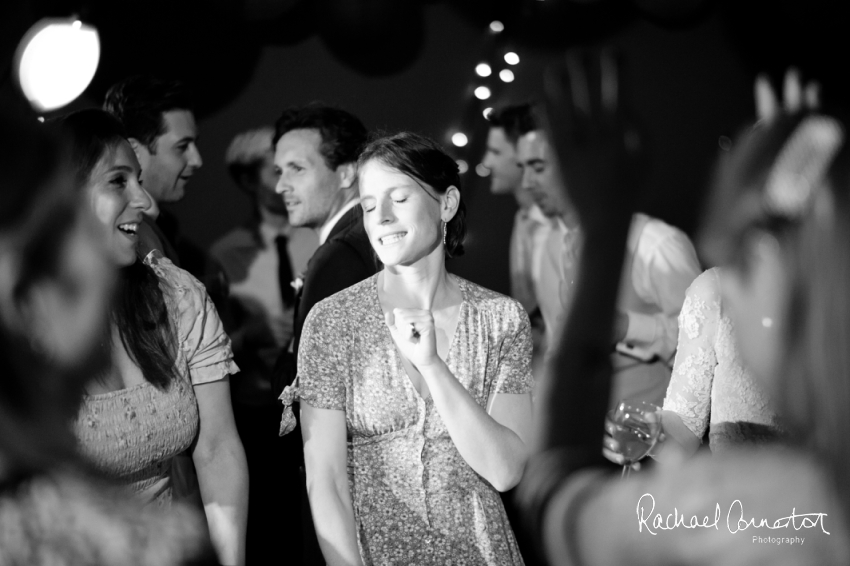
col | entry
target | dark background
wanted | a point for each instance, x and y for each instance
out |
(403, 64)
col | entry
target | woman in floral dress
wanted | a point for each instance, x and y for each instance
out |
(414, 384)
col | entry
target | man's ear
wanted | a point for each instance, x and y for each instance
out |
(347, 174)
(450, 203)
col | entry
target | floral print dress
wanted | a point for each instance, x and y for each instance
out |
(416, 501)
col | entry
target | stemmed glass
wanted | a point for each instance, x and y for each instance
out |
(636, 426)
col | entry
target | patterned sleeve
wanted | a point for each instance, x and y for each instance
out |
(201, 335)
(689, 392)
(514, 372)
(323, 362)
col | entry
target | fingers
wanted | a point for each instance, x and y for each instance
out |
(766, 104)
(410, 323)
(610, 82)
(796, 96)
(811, 96)
(612, 456)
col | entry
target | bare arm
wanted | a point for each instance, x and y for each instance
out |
(325, 459)
(222, 471)
(494, 444)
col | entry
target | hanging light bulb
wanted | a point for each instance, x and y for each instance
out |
(462, 166)
(460, 139)
(496, 26)
(482, 170)
(483, 70)
(511, 58)
(506, 75)
(482, 93)
(487, 111)
(55, 62)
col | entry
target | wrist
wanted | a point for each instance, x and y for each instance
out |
(431, 367)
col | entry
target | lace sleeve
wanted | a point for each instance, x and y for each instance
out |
(689, 392)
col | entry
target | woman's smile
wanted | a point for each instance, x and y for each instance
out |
(391, 239)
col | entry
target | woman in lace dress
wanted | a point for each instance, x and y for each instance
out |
(167, 389)
(710, 388)
(779, 225)
(414, 384)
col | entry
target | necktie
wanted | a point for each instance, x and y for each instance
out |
(284, 272)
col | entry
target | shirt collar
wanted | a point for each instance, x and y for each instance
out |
(325, 231)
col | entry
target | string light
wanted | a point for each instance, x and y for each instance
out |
(482, 93)
(483, 70)
(462, 166)
(506, 75)
(511, 58)
(482, 170)
(460, 139)
(487, 112)
(496, 26)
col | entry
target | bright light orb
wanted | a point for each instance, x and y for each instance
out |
(496, 26)
(460, 139)
(506, 75)
(511, 58)
(462, 166)
(56, 61)
(487, 112)
(482, 170)
(483, 70)
(482, 93)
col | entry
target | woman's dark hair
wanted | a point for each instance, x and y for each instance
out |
(139, 309)
(424, 160)
(813, 391)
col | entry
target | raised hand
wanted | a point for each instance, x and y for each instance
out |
(414, 333)
(598, 151)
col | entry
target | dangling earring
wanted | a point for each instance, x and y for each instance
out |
(445, 229)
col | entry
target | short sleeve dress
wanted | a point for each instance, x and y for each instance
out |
(416, 501)
(133, 434)
(710, 387)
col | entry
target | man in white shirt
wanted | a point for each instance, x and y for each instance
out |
(660, 264)
(531, 227)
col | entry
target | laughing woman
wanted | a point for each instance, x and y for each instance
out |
(414, 384)
(167, 389)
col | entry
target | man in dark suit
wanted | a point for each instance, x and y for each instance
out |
(316, 149)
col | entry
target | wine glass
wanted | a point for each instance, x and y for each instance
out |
(636, 426)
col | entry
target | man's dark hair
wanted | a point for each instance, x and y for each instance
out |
(343, 135)
(516, 120)
(139, 102)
